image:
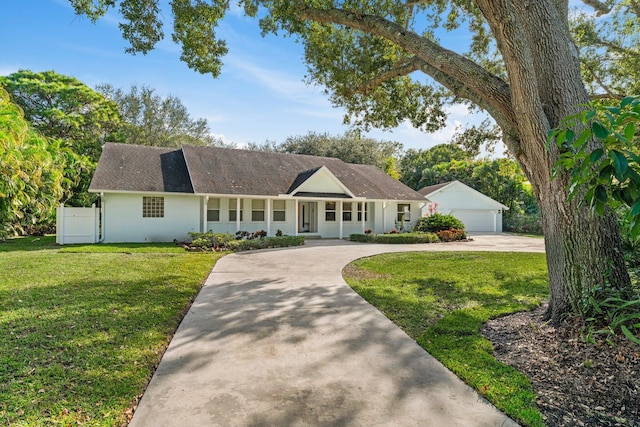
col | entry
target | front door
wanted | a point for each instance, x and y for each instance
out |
(307, 217)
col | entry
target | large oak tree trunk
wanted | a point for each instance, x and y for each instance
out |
(583, 249)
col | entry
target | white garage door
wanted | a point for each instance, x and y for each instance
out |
(476, 220)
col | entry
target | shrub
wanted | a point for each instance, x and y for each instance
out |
(523, 223)
(451, 234)
(258, 234)
(242, 235)
(279, 233)
(264, 242)
(214, 239)
(201, 242)
(437, 222)
(406, 238)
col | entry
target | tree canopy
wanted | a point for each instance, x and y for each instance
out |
(32, 170)
(150, 119)
(350, 147)
(61, 107)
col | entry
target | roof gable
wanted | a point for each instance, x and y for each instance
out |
(318, 180)
(468, 196)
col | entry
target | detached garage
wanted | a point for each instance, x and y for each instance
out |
(479, 213)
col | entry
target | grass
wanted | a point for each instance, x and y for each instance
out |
(83, 327)
(442, 299)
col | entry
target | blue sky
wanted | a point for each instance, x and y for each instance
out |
(259, 96)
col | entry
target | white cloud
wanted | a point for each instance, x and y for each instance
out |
(287, 86)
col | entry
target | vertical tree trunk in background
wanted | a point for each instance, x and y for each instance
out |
(583, 250)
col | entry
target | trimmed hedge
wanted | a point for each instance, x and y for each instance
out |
(401, 238)
(264, 243)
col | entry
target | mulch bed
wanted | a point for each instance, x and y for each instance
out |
(577, 383)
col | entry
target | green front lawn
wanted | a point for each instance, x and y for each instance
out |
(82, 327)
(442, 299)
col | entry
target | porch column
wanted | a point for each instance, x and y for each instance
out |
(295, 216)
(384, 216)
(268, 217)
(340, 219)
(364, 210)
(238, 213)
(204, 214)
(495, 221)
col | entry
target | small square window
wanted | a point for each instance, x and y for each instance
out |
(152, 207)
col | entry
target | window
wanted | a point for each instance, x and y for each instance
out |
(346, 211)
(404, 212)
(279, 210)
(233, 213)
(330, 211)
(257, 210)
(213, 210)
(366, 211)
(152, 207)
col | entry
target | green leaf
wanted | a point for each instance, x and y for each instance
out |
(596, 155)
(600, 131)
(635, 210)
(600, 194)
(630, 131)
(627, 333)
(626, 101)
(620, 164)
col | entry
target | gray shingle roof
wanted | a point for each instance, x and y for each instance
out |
(430, 189)
(125, 167)
(214, 170)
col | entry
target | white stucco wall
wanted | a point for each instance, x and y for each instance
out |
(123, 221)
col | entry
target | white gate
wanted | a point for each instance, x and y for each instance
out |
(77, 225)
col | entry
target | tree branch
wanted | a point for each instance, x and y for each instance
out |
(601, 8)
(446, 67)
(401, 68)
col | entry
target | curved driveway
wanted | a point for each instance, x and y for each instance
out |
(277, 338)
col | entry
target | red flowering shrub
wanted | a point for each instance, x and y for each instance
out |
(451, 234)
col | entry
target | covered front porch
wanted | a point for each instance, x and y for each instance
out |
(326, 215)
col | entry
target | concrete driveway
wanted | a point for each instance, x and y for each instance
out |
(277, 338)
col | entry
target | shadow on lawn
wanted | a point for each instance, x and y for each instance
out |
(28, 243)
(81, 349)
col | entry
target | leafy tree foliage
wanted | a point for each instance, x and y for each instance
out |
(32, 169)
(609, 42)
(521, 67)
(414, 162)
(609, 176)
(350, 147)
(150, 119)
(63, 108)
